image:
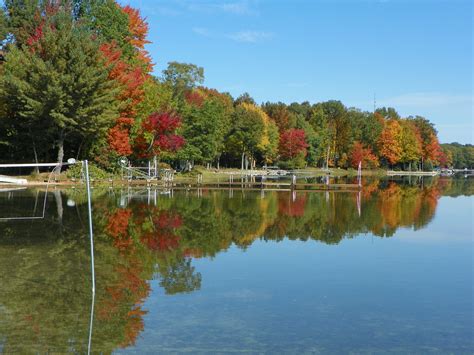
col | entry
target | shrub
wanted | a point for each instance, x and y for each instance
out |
(75, 171)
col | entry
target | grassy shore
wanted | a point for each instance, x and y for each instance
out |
(208, 176)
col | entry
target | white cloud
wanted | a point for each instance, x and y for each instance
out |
(202, 31)
(250, 36)
(241, 36)
(238, 7)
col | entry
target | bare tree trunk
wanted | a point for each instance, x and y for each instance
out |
(242, 162)
(61, 148)
(327, 158)
(60, 144)
(80, 149)
(36, 170)
(35, 153)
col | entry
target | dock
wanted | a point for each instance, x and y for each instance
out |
(11, 180)
(412, 173)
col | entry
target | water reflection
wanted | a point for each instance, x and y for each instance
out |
(45, 298)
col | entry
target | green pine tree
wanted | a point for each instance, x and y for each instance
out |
(59, 85)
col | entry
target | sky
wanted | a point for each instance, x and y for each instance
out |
(414, 55)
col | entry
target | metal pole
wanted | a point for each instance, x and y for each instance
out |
(91, 232)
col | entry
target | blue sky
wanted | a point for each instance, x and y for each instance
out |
(414, 55)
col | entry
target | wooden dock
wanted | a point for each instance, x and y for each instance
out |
(285, 186)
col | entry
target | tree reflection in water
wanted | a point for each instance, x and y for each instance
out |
(45, 277)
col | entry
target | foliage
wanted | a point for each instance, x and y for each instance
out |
(78, 72)
(292, 143)
(111, 24)
(206, 124)
(458, 155)
(245, 98)
(389, 142)
(95, 172)
(360, 154)
(247, 131)
(3, 26)
(183, 77)
(157, 135)
(410, 142)
(280, 114)
(58, 83)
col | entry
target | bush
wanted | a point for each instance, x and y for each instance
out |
(75, 171)
(297, 162)
(428, 165)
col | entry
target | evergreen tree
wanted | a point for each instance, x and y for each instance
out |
(59, 82)
(3, 26)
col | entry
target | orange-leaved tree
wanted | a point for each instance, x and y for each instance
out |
(363, 155)
(389, 141)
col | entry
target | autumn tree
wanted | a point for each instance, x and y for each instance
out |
(129, 66)
(158, 135)
(430, 147)
(433, 149)
(410, 142)
(363, 155)
(280, 114)
(267, 148)
(389, 142)
(292, 143)
(130, 80)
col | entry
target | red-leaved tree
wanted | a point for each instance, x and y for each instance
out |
(292, 142)
(365, 155)
(158, 135)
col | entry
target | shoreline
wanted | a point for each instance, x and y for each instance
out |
(209, 178)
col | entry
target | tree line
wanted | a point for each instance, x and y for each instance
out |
(76, 81)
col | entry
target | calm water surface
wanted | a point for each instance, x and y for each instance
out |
(388, 269)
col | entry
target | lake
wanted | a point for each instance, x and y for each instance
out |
(388, 269)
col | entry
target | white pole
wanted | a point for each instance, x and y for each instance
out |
(89, 347)
(91, 232)
(359, 173)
